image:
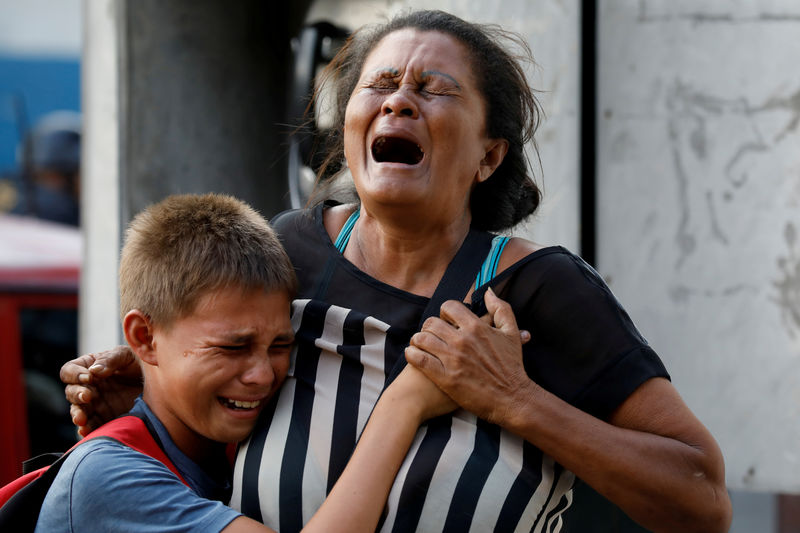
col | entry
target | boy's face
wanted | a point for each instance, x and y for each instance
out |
(218, 366)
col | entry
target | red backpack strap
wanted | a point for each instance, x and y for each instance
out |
(135, 433)
(12, 488)
(21, 500)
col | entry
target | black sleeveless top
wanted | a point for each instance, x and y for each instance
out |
(462, 473)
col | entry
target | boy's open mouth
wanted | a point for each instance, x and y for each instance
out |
(238, 404)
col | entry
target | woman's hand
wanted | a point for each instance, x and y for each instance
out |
(652, 448)
(477, 361)
(101, 386)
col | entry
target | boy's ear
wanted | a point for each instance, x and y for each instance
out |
(138, 331)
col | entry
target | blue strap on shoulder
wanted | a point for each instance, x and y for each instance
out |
(489, 267)
(344, 234)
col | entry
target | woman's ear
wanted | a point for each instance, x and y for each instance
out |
(138, 330)
(496, 150)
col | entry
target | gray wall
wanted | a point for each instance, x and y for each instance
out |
(699, 190)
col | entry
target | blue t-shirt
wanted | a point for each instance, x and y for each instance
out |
(107, 486)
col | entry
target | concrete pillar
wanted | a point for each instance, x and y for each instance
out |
(99, 301)
(204, 92)
(180, 96)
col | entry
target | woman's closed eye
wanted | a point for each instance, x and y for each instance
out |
(439, 83)
(432, 89)
(383, 84)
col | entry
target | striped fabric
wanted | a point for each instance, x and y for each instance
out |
(461, 474)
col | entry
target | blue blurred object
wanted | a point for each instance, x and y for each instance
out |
(30, 88)
(56, 143)
(49, 165)
(48, 204)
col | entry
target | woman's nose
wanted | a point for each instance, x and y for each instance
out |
(400, 103)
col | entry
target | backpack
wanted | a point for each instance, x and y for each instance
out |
(21, 500)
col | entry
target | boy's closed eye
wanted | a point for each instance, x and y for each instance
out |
(233, 347)
(282, 345)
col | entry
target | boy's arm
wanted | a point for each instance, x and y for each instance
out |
(107, 486)
(359, 496)
(357, 499)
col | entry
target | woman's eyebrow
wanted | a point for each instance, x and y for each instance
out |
(386, 70)
(438, 73)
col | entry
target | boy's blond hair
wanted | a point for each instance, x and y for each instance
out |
(186, 245)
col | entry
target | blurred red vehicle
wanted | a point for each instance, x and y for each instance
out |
(39, 278)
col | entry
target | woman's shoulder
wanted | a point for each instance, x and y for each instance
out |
(334, 216)
(548, 263)
(516, 250)
(520, 252)
(329, 216)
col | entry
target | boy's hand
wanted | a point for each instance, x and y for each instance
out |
(414, 389)
(101, 386)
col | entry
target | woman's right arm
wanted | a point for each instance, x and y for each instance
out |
(101, 386)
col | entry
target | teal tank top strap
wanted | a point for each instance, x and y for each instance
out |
(489, 267)
(344, 234)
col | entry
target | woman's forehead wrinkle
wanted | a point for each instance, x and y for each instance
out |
(389, 70)
(439, 73)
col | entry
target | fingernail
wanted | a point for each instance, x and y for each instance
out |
(84, 378)
(82, 396)
(489, 289)
(97, 367)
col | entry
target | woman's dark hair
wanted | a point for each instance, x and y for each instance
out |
(512, 111)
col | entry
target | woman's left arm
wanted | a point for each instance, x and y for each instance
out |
(653, 458)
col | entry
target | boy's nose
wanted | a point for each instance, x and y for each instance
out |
(259, 371)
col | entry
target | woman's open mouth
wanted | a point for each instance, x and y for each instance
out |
(396, 150)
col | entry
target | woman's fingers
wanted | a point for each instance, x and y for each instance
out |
(101, 386)
(77, 370)
(78, 415)
(456, 313)
(87, 368)
(424, 360)
(79, 394)
(501, 312)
